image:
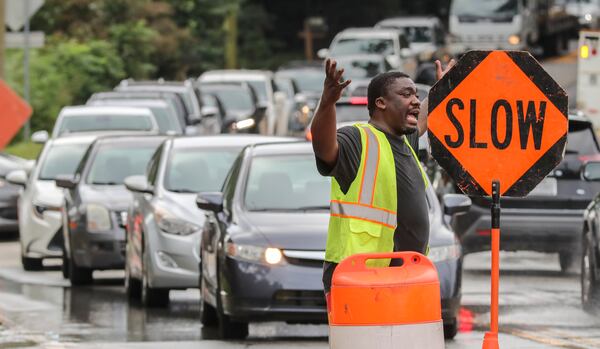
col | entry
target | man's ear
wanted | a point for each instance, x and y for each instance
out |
(380, 103)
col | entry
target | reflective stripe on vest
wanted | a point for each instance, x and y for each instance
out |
(367, 187)
(364, 212)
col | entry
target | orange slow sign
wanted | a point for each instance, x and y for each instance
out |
(497, 115)
(14, 112)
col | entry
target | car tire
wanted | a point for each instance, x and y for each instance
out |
(64, 268)
(152, 297)
(227, 327)
(79, 276)
(590, 287)
(133, 287)
(32, 264)
(208, 313)
(451, 329)
(567, 261)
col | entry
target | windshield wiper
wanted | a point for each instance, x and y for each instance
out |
(105, 183)
(182, 191)
(313, 208)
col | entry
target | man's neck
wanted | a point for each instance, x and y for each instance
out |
(382, 126)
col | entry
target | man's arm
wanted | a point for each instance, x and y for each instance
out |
(423, 113)
(323, 127)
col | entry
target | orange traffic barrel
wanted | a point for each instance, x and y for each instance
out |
(385, 308)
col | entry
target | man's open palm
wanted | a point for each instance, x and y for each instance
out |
(333, 87)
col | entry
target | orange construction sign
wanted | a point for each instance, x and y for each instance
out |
(14, 112)
(497, 115)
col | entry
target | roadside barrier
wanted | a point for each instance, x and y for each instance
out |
(386, 308)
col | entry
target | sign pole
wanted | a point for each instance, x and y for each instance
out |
(26, 90)
(490, 340)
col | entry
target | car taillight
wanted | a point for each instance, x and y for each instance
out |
(484, 232)
(590, 157)
(359, 100)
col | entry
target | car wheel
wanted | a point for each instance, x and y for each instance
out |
(79, 276)
(208, 313)
(567, 261)
(64, 268)
(32, 264)
(590, 289)
(152, 297)
(132, 285)
(451, 329)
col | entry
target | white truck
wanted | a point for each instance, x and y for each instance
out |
(528, 25)
(588, 76)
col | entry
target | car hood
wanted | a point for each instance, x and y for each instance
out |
(183, 206)
(291, 231)
(47, 193)
(114, 197)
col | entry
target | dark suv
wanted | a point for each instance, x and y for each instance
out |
(550, 218)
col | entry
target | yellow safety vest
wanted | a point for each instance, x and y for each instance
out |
(364, 219)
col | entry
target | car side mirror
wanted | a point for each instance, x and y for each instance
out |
(66, 181)
(17, 177)
(323, 53)
(210, 201)
(591, 171)
(138, 184)
(456, 203)
(40, 137)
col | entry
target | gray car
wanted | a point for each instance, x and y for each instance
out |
(164, 223)
(96, 201)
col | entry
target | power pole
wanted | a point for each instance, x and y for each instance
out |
(231, 37)
(2, 40)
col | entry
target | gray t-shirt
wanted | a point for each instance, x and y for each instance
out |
(412, 232)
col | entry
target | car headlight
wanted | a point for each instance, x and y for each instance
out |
(244, 124)
(39, 209)
(168, 223)
(98, 218)
(588, 17)
(514, 39)
(267, 255)
(444, 253)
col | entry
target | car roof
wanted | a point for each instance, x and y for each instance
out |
(368, 32)
(73, 139)
(300, 147)
(358, 56)
(82, 110)
(409, 21)
(128, 101)
(227, 140)
(235, 74)
(129, 139)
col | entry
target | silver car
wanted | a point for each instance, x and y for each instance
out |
(164, 223)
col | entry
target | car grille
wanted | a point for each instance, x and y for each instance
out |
(300, 298)
(305, 258)
(8, 213)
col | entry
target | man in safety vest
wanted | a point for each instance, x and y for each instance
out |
(378, 201)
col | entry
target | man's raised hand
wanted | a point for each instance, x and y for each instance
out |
(333, 86)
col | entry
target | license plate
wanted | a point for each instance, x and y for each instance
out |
(547, 187)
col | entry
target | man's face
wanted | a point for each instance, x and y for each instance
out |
(401, 106)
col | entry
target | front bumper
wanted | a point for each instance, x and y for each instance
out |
(8, 209)
(181, 250)
(541, 230)
(105, 250)
(294, 292)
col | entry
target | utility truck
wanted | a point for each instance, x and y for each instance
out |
(539, 26)
(588, 76)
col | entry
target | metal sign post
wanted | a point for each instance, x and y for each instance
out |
(490, 341)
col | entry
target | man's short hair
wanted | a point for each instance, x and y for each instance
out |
(379, 85)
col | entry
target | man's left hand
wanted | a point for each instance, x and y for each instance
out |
(439, 72)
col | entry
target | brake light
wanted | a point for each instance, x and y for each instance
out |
(591, 157)
(484, 232)
(359, 100)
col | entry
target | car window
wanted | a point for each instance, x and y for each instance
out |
(286, 182)
(404, 43)
(86, 123)
(152, 167)
(166, 119)
(230, 181)
(581, 141)
(352, 46)
(112, 164)
(361, 68)
(308, 80)
(351, 112)
(418, 34)
(61, 160)
(260, 87)
(233, 98)
(198, 169)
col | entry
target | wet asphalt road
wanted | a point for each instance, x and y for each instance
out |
(539, 306)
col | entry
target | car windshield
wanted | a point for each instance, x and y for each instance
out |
(581, 141)
(286, 182)
(232, 97)
(308, 80)
(61, 160)
(473, 10)
(418, 34)
(351, 112)
(260, 87)
(103, 122)
(360, 68)
(166, 119)
(193, 170)
(113, 163)
(353, 46)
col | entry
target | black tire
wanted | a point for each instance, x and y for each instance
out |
(229, 328)
(79, 276)
(64, 268)
(152, 297)
(450, 330)
(133, 287)
(32, 264)
(208, 313)
(567, 261)
(590, 287)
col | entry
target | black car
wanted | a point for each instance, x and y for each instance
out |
(263, 243)
(550, 218)
(96, 203)
(590, 247)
